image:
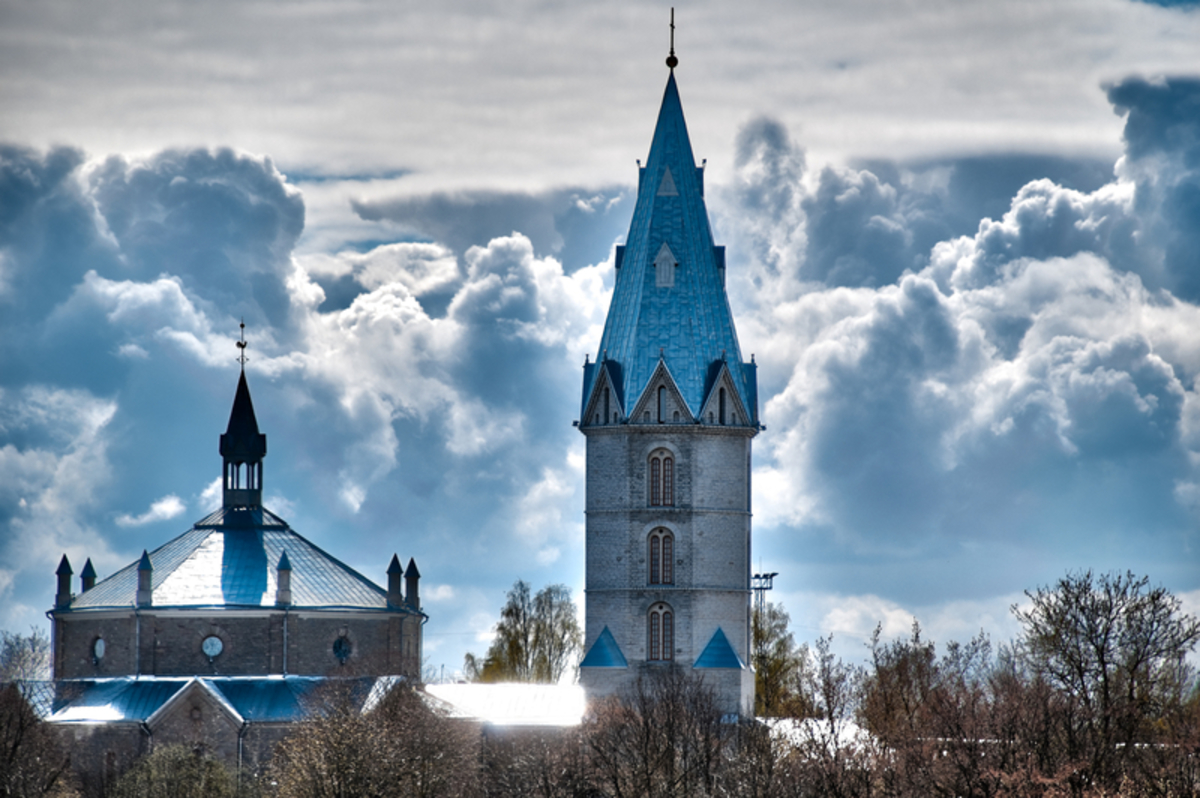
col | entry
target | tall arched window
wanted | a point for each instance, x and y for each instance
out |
(662, 557)
(661, 627)
(662, 479)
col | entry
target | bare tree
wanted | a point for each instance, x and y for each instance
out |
(176, 771)
(540, 763)
(399, 749)
(31, 761)
(832, 757)
(660, 738)
(24, 657)
(537, 638)
(1115, 648)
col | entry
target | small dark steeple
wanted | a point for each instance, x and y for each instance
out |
(283, 581)
(88, 577)
(395, 574)
(145, 591)
(243, 446)
(63, 596)
(412, 577)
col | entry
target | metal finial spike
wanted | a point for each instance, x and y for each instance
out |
(672, 61)
(241, 345)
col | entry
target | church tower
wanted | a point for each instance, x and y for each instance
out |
(669, 411)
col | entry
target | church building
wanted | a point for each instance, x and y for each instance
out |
(216, 639)
(669, 410)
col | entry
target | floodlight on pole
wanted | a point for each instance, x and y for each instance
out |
(760, 584)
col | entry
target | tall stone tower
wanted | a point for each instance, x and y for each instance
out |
(669, 411)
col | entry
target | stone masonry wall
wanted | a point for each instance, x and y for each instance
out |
(252, 643)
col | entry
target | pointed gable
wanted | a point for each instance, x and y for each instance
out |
(604, 405)
(680, 310)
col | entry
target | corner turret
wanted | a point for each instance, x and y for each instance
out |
(145, 588)
(62, 596)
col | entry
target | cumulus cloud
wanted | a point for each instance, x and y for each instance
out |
(1022, 392)
(164, 509)
(968, 384)
(54, 471)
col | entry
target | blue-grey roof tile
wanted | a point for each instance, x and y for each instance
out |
(111, 700)
(275, 699)
(215, 565)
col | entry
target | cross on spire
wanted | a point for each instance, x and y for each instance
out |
(241, 345)
(672, 61)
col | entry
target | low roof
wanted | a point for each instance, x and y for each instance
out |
(513, 704)
(257, 699)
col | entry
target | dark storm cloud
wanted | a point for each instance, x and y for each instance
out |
(224, 221)
(48, 235)
(1162, 139)
(856, 236)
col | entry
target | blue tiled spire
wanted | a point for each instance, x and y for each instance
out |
(680, 311)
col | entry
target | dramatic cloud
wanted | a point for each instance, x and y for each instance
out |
(976, 417)
(976, 337)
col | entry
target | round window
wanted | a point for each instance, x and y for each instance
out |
(212, 646)
(98, 649)
(342, 648)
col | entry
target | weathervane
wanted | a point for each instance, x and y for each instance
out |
(672, 61)
(241, 345)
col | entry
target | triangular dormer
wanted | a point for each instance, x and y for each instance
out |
(604, 405)
(723, 406)
(661, 402)
(667, 187)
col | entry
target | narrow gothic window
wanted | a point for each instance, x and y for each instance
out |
(662, 479)
(662, 633)
(675, 418)
(655, 481)
(721, 405)
(662, 553)
(607, 394)
(662, 393)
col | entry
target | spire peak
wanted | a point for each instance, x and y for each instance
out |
(672, 61)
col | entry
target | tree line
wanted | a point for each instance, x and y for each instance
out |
(1094, 698)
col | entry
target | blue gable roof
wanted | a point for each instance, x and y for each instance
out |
(688, 322)
(719, 653)
(604, 653)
